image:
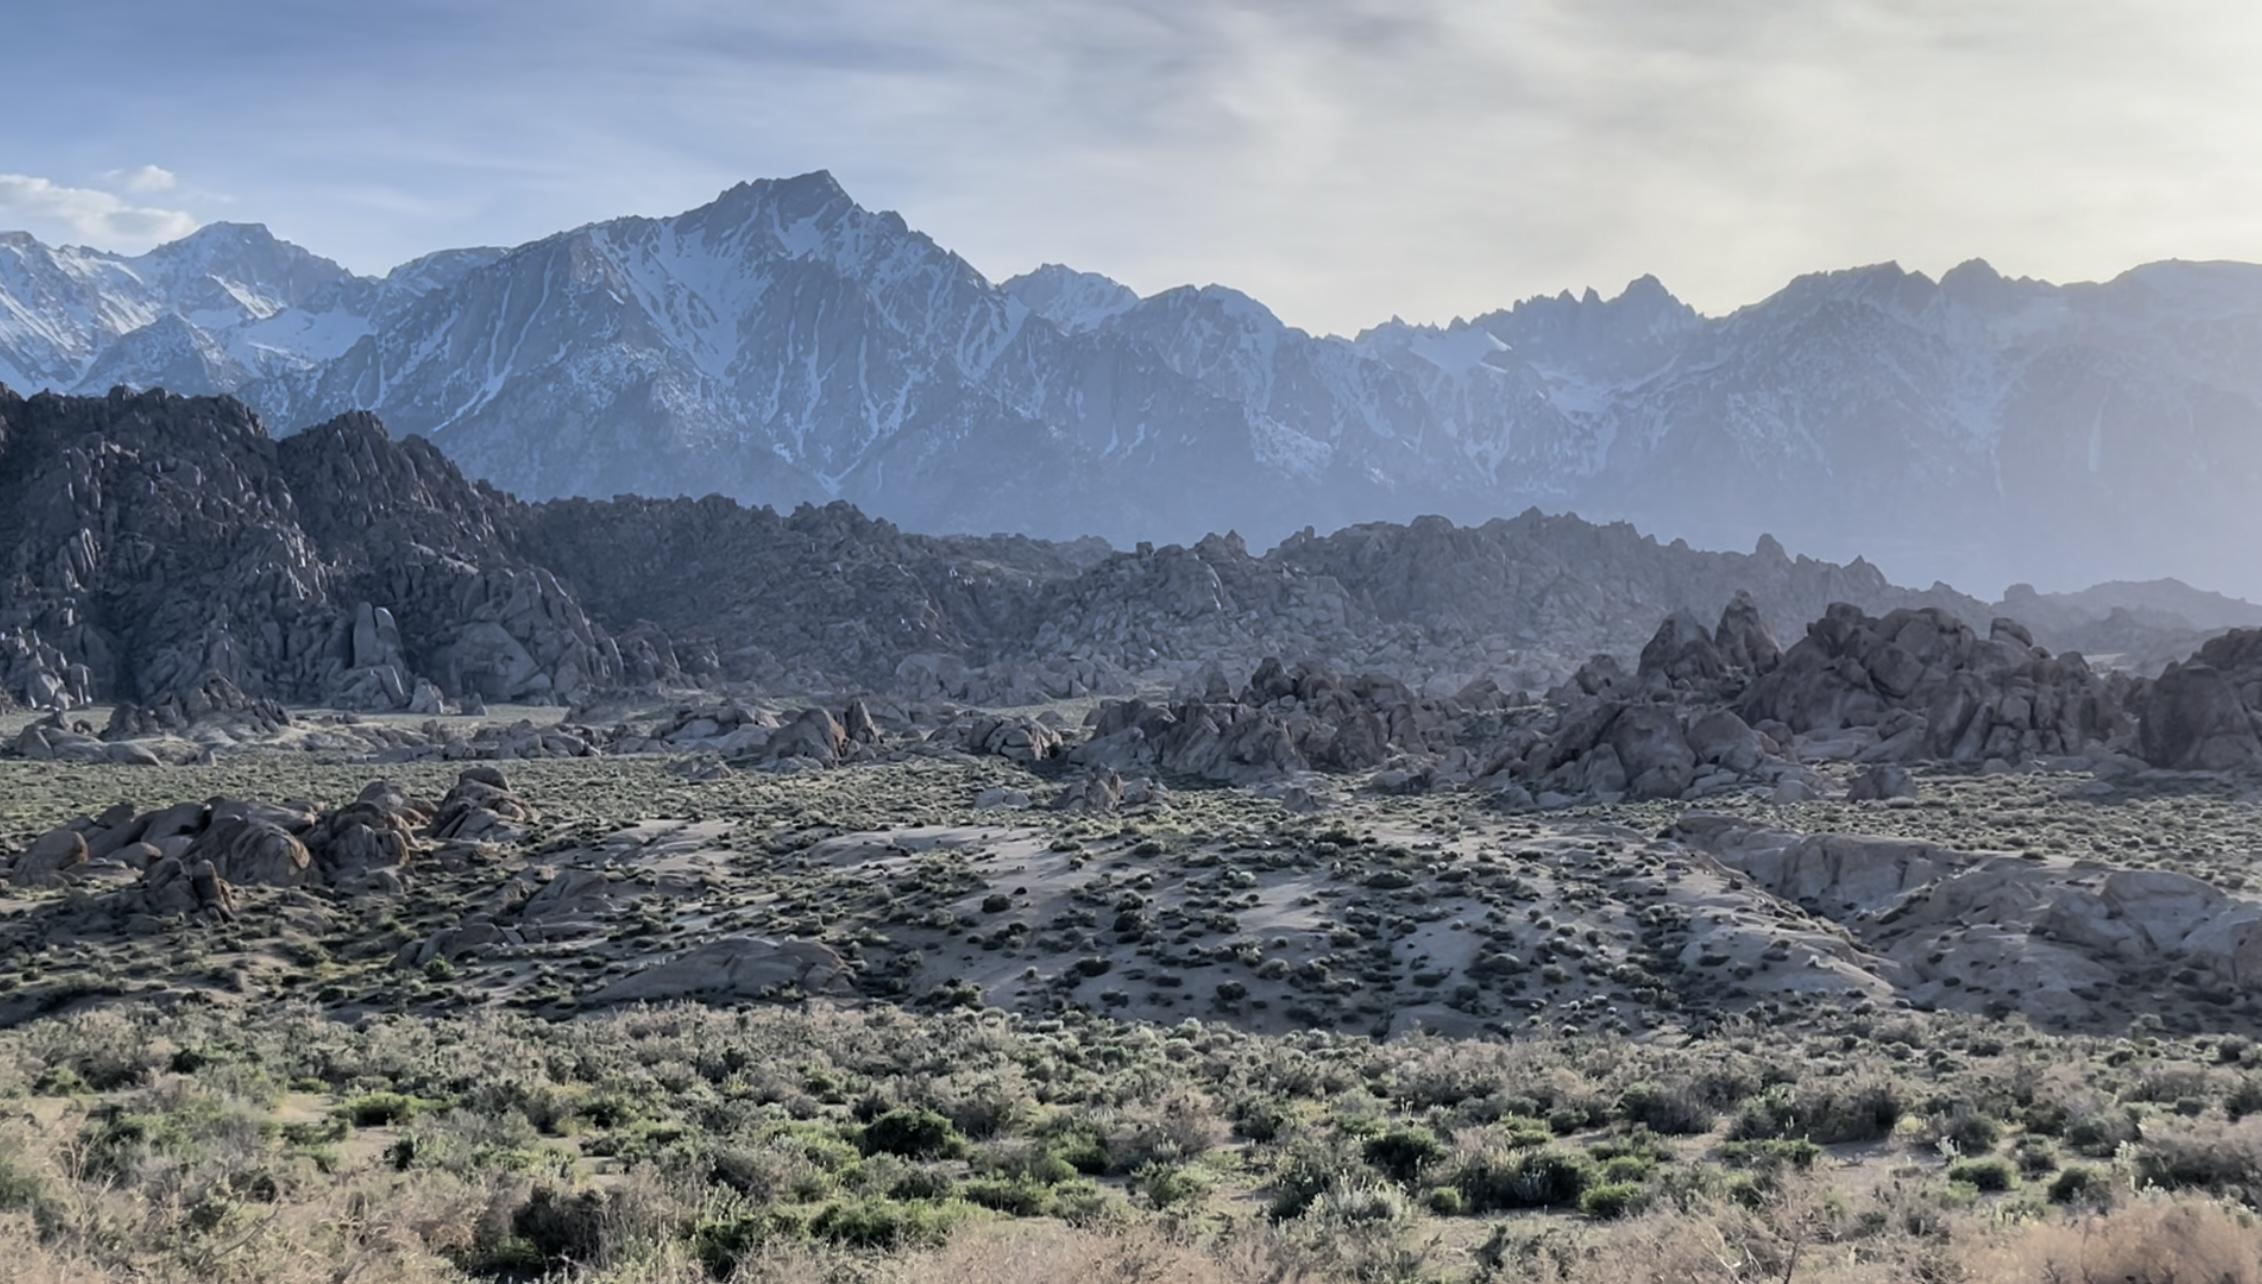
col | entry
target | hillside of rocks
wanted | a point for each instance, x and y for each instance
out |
(816, 596)
(159, 543)
(1518, 601)
(2140, 626)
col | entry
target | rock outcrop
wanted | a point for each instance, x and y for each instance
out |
(1284, 720)
(215, 701)
(1988, 930)
(2205, 713)
(1015, 738)
(37, 675)
(482, 809)
(159, 542)
(228, 843)
(1608, 750)
(1922, 684)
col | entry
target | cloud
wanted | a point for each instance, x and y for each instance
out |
(142, 179)
(89, 214)
(1343, 160)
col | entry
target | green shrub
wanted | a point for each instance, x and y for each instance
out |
(1613, 1200)
(724, 1236)
(381, 1109)
(1356, 1204)
(1258, 1118)
(2076, 1182)
(1403, 1151)
(1308, 1166)
(1989, 1174)
(1494, 1180)
(2099, 1133)
(922, 1181)
(883, 1224)
(59, 1081)
(21, 1189)
(1084, 1203)
(2225, 1160)
(1015, 1196)
(1972, 1132)
(1676, 1111)
(1169, 1185)
(558, 1227)
(1626, 1168)
(1828, 1113)
(912, 1134)
(1773, 1153)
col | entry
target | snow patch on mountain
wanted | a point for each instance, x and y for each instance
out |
(1075, 301)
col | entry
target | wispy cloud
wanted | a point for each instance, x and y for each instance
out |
(141, 179)
(89, 214)
(1343, 160)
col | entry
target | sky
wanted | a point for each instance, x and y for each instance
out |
(1343, 160)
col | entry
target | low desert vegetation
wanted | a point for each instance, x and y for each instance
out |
(689, 1144)
(1184, 1042)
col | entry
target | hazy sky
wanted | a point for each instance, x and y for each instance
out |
(1341, 160)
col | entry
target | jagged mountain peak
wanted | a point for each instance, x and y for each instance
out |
(238, 250)
(1973, 271)
(815, 185)
(1886, 285)
(221, 233)
(1221, 303)
(1075, 301)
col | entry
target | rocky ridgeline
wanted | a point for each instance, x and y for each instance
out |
(156, 543)
(1520, 601)
(1917, 685)
(193, 858)
(819, 597)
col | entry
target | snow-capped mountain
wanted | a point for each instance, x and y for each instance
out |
(1075, 301)
(227, 304)
(782, 343)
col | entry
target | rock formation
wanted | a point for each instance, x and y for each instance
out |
(158, 543)
(158, 540)
(1285, 720)
(1979, 929)
(192, 856)
(1922, 684)
(2205, 713)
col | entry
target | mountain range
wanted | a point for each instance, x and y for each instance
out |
(783, 344)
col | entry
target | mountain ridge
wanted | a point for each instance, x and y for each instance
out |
(783, 344)
(158, 540)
